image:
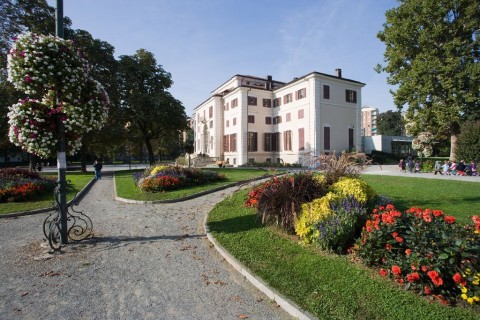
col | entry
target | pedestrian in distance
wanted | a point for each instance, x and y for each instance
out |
(401, 165)
(410, 166)
(438, 167)
(417, 166)
(97, 166)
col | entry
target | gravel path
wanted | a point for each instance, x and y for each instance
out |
(144, 262)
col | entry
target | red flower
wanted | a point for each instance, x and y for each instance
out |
(383, 272)
(435, 277)
(437, 213)
(412, 277)
(427, 218)
(449, 219)
(396, 270)
(399, 239)
(427, 290)
(395, 234)
(457, 277)
(388, 246)
(408, 252)
(424, 268)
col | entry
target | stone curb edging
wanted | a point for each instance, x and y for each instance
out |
(292, 308)
(77, 198)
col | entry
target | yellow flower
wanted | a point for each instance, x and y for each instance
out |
(464, 290)
(470, 300)
(464, 296)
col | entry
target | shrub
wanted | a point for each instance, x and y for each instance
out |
(337, 232)
(346, 165)
(322, 210)
(160, 183)
(425, 251)
(279, 199)
(312, 213)
(164, 178)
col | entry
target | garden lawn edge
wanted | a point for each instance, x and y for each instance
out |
(193, 196)
(289, 306)
(75, 200)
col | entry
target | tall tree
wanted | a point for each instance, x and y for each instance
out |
(432, 55)
(390, 123)
(468, 146)
(147, 104)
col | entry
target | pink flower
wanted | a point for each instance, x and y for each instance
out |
(450, 219)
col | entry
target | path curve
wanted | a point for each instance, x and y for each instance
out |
(145, 262)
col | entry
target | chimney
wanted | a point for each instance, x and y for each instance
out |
(269, 83)
(338, 73)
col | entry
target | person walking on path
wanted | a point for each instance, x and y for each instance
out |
(98, 170)
(438, 167)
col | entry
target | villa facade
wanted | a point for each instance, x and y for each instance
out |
(253, 119)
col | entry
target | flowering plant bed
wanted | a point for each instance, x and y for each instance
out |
(425, 251)
(165, 178)
(18, 185)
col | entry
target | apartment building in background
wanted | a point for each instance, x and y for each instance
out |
(369, 121)
(251, 119)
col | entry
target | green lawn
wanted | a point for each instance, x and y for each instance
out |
(126, 187)
(457, 198)
(77, 179)
(328, 286)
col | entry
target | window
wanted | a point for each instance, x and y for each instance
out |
(287, 98)
(351, 96)
(326, 138)
(252, 142)
(277, 119)
(225, 107)
(233, 142)
(267, 103)
(350, 139)
(234, 121)
(271, 141)
(300, 94)
(234, 103)
(251, 119)
(211, 125)
(227, 123)
(210, 112)
(326, 91)
(301, 114)
(268, 120)
(288, 117)
(301, 139)
(287, 140)
(277, 102)
(268, 160)
(225, 143)
(252, 101)
(211, 142)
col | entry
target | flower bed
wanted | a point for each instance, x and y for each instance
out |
(18, 185)
(422, 250)
(164, 178)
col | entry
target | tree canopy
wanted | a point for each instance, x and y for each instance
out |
(390, 123)
(432, 56)
(146, 103)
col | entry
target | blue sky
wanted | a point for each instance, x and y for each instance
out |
(203, 43)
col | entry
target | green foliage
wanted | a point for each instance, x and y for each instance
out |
(422, 250)
(329, 286)
(338, 231)
(390, 123)
(430, 58)
(468, 143)
(153, 112)
(322, 211)
(278, 200)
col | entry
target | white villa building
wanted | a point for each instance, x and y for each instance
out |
(252, 119)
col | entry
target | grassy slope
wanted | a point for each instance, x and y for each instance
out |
(328, 286)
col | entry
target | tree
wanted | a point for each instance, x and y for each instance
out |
(390, 123)
(146, 103)
(468, 143)
(432, 56)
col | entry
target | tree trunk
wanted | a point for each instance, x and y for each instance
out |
(453, 145)
(83, 159)
(151, 156)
